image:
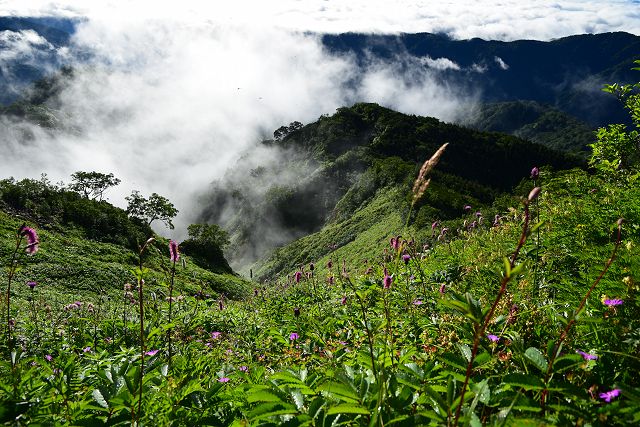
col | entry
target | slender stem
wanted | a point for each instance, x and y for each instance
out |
(481, 328)
(570, 324)
(12, 272)
(369, 336)
(173, 274)
(141, 303)
(140, 284)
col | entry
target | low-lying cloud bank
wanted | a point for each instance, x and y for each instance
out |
(173, 93)
(167, 106)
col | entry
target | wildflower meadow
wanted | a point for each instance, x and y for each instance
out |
(523, 312)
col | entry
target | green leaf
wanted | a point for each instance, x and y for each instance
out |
(465, 350)
(482, 391)
(271, 409)
(339, 391)
(527, 382)
(453, 360)
(507, 267)
(99, 398)
(346, 408)
(262, 396)
(567, 362)
(536, 357)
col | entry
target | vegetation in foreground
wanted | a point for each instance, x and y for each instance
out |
(529, 317)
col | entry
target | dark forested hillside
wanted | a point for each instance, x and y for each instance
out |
(535, 122)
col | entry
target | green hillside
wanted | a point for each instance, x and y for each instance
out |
(534, 122)
(329, 169)
(92, 247)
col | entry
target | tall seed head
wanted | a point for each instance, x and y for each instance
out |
(422, 183)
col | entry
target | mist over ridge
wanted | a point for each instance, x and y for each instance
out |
(168, 105)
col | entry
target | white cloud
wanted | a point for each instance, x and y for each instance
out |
(177, 89)
(439, 63)
(503, 65)
(167, 106)
(491, 19)
(478, 68)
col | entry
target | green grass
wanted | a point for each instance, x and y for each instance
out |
(71, 264)
(393, 356)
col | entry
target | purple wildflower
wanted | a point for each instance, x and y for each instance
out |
(32, 239)
(607, 396)
(48, 357)
(215, 335)
(535, 173)
(478, 214)
(613, 302)
(151, 352)
(493, 338)
(387, 281)
(443, 287)
(417, 302)
(406, 258)
(344, 300)
(466, 208)
(32, 284)
(294, 336)
(86, 349)
(243, 368)
(174, 252)
(434, 225)
(586, 356)
(224, 379)
(298, 276)
(395, 242)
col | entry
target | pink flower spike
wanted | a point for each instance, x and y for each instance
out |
(613, 302)
(174, 252)
(224, 379)
(607, 396)
(32, 239)
(493, 338)
(294, 336)
(151, 352)
(387, 282)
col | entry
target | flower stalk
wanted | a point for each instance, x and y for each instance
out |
(565, 332)
(480, 329)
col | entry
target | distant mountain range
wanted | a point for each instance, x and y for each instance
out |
(566, 73)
